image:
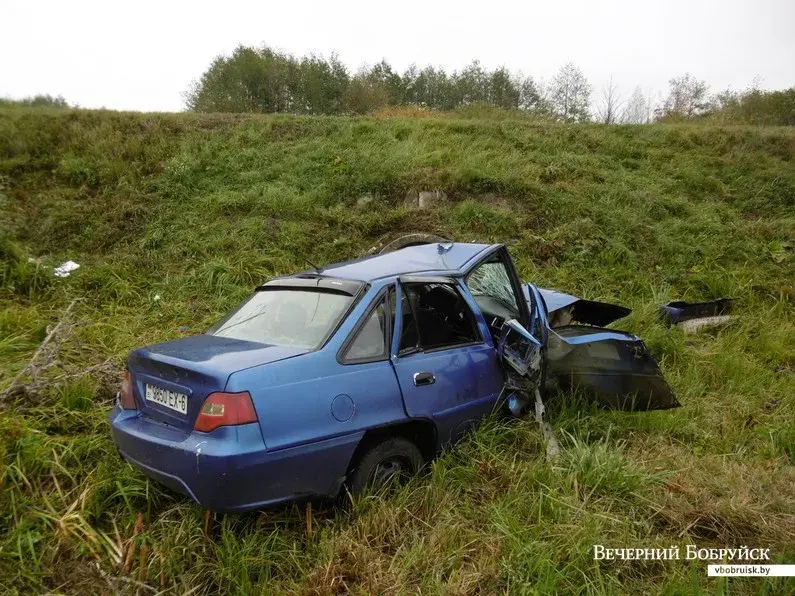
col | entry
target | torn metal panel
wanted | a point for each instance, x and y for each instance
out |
(614, 367)
(564, 309)
(520, 350)
(522, 353)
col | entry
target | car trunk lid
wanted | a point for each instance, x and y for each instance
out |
(182, 373)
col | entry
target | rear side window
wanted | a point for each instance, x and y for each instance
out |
(435, 316)
(370, 342)
(286, 317)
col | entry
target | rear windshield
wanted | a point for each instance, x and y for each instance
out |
(286, 317)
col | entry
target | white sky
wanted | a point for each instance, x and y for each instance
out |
(142, 55)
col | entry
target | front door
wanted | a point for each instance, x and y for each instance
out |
(517, 322)
(447, 372)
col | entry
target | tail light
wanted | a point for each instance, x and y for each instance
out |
(126, 398)
(225, 409)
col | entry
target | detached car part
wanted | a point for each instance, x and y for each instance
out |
(694, 316)
(681, 311)
(614, 367)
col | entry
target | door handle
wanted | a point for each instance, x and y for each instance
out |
(424, 378)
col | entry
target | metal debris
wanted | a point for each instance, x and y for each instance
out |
(696, 325)
(564, 309)
(692, 317)
(553, 447)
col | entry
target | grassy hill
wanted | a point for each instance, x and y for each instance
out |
(174, 218)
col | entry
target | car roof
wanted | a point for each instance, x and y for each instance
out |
(443, 258)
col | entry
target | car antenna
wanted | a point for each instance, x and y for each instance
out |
(317, 269)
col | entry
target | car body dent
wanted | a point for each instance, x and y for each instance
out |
(564, 309)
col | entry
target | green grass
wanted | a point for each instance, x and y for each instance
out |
(199, 209)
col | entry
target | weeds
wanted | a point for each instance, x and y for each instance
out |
(174, 218)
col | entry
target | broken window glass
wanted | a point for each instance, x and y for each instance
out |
(491, 287)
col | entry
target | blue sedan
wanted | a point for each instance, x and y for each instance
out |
(361, 372)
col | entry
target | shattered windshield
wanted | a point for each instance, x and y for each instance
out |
(492, 280)
(285, 317)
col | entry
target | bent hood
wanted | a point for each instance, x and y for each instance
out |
(615, 367)
(565, 308)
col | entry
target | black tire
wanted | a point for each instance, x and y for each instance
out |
(394, 459)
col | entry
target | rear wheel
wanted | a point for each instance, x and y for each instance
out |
(389, 463)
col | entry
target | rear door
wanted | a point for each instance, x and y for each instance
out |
(446, 370)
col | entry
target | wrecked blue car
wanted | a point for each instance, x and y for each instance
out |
(352, 375)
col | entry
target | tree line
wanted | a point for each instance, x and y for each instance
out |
(36, 101)
(689, 99)
(266, 80)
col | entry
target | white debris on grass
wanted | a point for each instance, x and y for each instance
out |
(553, 447)
(696, 325)
(64, 269)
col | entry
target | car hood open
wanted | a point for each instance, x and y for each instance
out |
(564, 308)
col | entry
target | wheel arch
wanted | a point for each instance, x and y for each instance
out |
(420, 431)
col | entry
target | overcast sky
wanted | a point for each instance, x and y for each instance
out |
(142, 55)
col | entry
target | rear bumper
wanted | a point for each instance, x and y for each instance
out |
(230, 469)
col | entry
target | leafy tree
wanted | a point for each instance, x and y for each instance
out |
(687, 97)
(365, 93)
(434, 89)
(769, 107)
(265, 80)
(470, 85)
(382, 75)
(323, 84)
(755, 106)
(529, 95)
(570, 94)
(503, 91)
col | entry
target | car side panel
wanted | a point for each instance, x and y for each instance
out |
(313, 397)
(468, 380)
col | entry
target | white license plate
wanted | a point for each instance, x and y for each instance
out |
(168, 399)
